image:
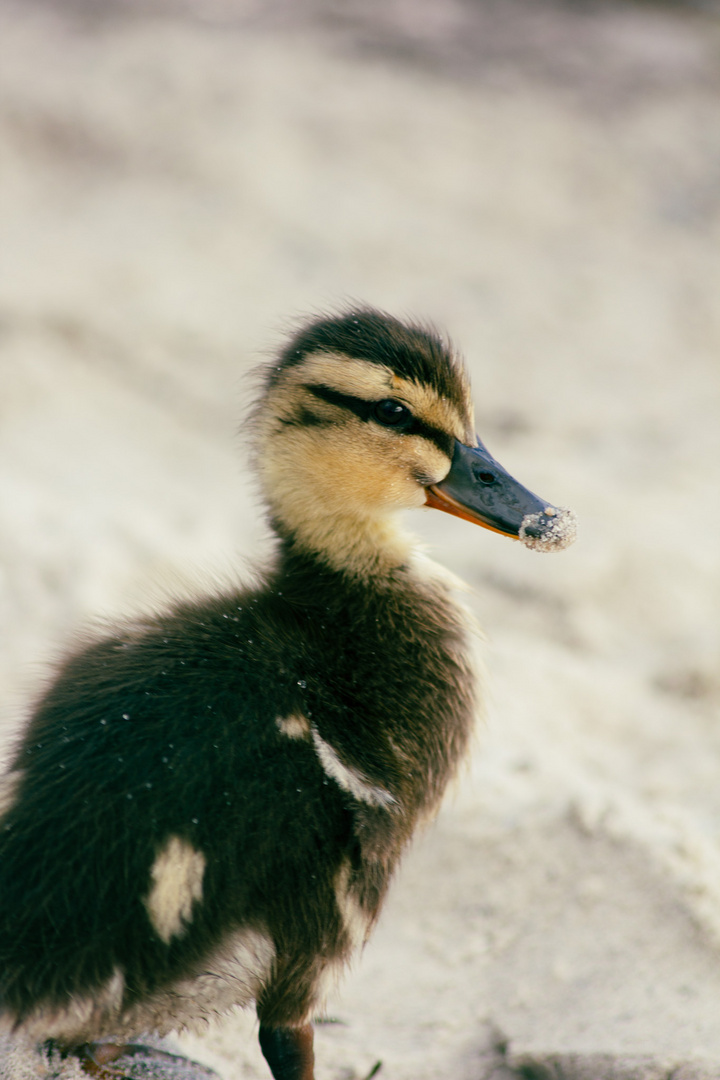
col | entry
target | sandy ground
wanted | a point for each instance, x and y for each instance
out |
(177, 184)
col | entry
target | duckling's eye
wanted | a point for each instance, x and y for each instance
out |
(391, 413)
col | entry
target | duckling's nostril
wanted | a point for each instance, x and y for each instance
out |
(485, 477)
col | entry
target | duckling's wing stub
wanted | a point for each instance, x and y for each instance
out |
(480, 490)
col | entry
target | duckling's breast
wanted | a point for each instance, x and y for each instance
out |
(389, 690)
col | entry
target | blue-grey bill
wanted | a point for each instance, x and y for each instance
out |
(480, 490)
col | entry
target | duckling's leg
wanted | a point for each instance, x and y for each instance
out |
(96, 1058)
(289, 1051)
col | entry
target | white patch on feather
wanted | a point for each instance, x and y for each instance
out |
(295, 727)
(349, 779)
(357, 924)
(177, 875)
(355, 920)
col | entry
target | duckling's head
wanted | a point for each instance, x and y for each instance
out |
(362, 416)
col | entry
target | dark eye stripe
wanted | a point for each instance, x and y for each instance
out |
(303, 417)
(359, 406)
(364, 409)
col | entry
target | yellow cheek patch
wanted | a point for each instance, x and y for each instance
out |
(359, 474)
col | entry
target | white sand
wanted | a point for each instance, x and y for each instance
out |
(174, 190)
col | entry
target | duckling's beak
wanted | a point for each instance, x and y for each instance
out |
(478, 489)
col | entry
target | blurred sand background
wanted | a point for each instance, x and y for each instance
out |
(181, 180)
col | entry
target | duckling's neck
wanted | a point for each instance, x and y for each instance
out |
(388, 675)
(363, 547)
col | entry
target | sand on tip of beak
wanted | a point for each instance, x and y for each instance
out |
(559, 529)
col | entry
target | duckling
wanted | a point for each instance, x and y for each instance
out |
(208, 804)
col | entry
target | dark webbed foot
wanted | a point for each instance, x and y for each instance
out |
(96, 1059)
(289, 1052)
(132, 1061)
